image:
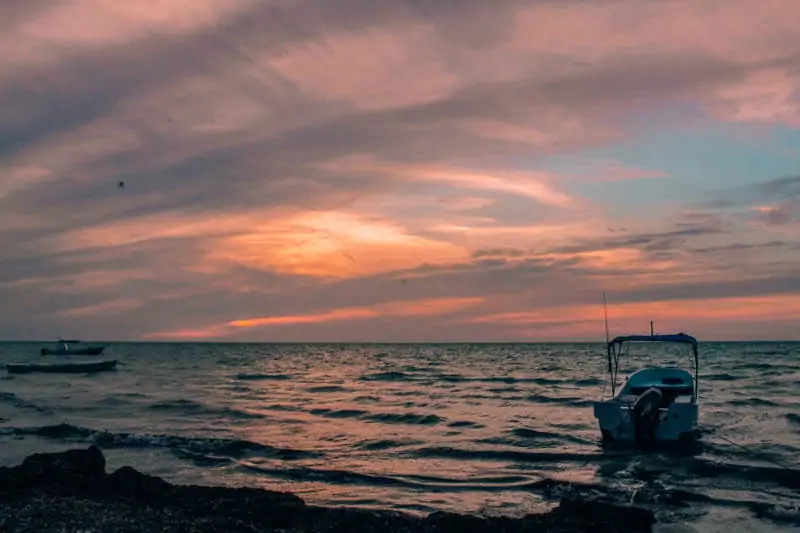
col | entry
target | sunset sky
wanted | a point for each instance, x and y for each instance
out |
(399, 170)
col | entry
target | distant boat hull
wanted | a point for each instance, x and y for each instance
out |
(89, 350)
(62, 368)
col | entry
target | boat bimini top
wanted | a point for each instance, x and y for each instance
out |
(615, 348)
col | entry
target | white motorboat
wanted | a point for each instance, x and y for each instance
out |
(72, 347)
(654, 404)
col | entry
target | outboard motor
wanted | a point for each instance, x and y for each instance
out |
(645, 414)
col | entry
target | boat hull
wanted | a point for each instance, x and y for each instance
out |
(62, 368)
(677, 423)
(92, 350)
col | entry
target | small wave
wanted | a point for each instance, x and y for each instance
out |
(753, 402)
(508, 455)
(785, 476)
(193, 407)
(339, 477)
(282, 407)
(263, 377)
(405, 418)
(508, 380)
(385, 418)
(567, 425)
(568, 400)
(777, 513)
(342, 413)
(19, 403)
(794, 418)
(724, 376)
(589, 382)
(753, 366)
(489, 397)
(114, 401)
(465, 424)
(367, 399)
(532, 438)
(387, 376)
(326, 388)
(429, 483)
(230, 448)
(501, 390)
(775, 352)
(527, 433)
(177, 405)
(386, 444)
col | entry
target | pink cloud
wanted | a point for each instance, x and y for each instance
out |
(101, 23)
(533, 184)
(364, 68)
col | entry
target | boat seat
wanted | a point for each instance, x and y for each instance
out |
(628, 398)
(683, 399)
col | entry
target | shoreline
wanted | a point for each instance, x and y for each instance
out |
(71, 491)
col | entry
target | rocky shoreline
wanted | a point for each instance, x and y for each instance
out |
(71, 491)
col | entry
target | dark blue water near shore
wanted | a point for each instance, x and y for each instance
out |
(490, 428)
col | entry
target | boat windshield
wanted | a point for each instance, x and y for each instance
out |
(615, 349)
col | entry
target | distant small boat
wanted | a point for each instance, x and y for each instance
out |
(654, 404)
(63, 368)
(73, 348)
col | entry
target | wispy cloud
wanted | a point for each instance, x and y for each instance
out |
(416, 308)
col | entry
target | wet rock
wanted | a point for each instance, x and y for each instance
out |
(73, 467)
(85, 463)
(70, 491)
(133, 484)
(600, 516)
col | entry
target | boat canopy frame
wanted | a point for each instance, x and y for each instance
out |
(614, 350)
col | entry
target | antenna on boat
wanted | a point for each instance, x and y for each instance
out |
(651, 328)
(605, 312)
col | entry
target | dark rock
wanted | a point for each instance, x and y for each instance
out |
(73, 467)
(601, 516)
(441, 522)
(131, 483)
(70, 490)
(84, 463)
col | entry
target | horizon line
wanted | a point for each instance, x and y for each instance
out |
(454, 342)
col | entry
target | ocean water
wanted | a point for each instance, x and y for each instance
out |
(494, 429)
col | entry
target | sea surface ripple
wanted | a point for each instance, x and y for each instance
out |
(491, 428)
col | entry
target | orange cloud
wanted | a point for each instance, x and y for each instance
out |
(432, 306)
(619, 259)
(405, 308)
(187, 334)
(669, 314)
(332, 244)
